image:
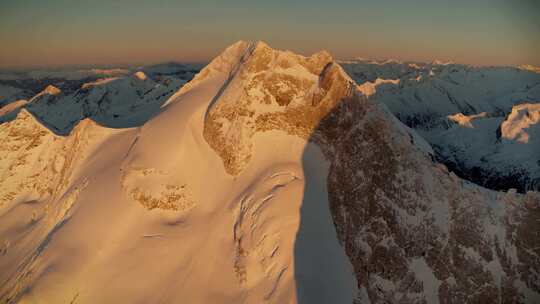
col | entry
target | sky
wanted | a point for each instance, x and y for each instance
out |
(40, 33)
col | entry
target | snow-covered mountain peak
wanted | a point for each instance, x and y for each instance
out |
(262, 57)
(466, 120)
(28, 120)
(52, 90)
(322, 55)
(523, 117)
(102, 81)
(442, 62)
(223, 63)
(140, 75)
(230, 56)
(49, 93)
(530, 67)
(250, 58)
(257, 56)
(370, 88)
(269, 89)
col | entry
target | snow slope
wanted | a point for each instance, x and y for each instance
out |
(269, 178)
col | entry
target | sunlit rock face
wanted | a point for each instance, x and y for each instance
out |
(271, 90)
(270, 177)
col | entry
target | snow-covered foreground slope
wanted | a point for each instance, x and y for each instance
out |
(429, 98)
(268, 178)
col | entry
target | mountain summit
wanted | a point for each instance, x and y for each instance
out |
(270, 90)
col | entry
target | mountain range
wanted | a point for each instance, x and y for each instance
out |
(271, 177)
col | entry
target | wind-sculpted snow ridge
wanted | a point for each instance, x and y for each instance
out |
(429, 97)
(269, 178)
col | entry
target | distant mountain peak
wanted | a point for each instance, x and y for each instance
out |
(52, 90)
(99, 82)
(441, 62)
(516, 126)
(140, 75)
(529, 67)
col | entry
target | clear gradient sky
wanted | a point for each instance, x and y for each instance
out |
(66, 32)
